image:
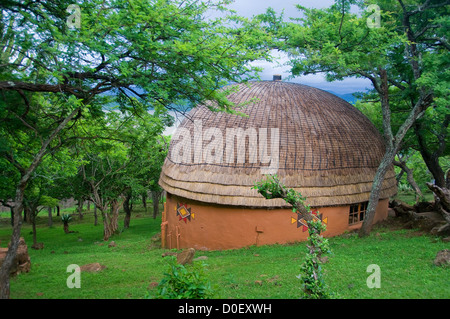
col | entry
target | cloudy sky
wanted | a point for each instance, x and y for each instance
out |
(249, 8)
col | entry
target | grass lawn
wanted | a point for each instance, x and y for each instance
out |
(410, 197)
(135, 265)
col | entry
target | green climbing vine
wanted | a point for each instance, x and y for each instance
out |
(311, 274)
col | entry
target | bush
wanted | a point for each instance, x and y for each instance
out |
(66, 218)
(182, 282)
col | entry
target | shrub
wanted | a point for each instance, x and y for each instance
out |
(183, 282)
(66, 219)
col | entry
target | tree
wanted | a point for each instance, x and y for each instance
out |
(66, 219)
(153, 178)
(120, 164)
(429, 135)
(432, 134)
(40, 192)
(152, 53)
(102, 173)
(147, 152)
(395, 56)
(409, 176)
(373, 111)
(35, 201)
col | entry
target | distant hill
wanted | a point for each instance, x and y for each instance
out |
(348, 97)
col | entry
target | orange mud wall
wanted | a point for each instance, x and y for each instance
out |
(192, 224)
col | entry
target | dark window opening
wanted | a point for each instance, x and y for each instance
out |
(357, 212)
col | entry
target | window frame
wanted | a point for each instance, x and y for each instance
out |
(357, 213)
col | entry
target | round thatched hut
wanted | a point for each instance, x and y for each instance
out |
(314, 141)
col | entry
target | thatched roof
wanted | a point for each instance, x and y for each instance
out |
(328, 150)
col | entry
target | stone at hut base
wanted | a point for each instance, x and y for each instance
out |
(94, 267)
(442, 258)
(186, 256)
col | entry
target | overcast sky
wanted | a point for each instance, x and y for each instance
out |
(249, 8)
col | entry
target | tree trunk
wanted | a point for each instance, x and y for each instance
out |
(57, 211)
(447, 180)
(12, 251)
(430, 158)
(15, 237)
(12, 215)
(144, 201)
(33, 214)
(80, 208)
(399, 176)
(442, 195)
(388, 158)
(392, 143)
(155, 199)
(110, 224)
(375, 193)
(18, 208)
(409, 178)
(26, 213)
(435, 169)
(50, 217)
(442, 205)
(95, 215)
(127, 208)
(106, 229)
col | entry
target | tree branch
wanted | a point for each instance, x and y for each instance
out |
(32, 87)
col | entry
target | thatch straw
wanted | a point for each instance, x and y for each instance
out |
(328, 149)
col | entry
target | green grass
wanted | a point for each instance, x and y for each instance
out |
(405, 258)
(410, 196)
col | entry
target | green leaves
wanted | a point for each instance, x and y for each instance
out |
(270, 188)
(184, 282)
(170, 50)
(48, 201)
(66, 218)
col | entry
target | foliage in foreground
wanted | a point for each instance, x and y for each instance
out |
(311, 275)
(135, 266)
(184, 282)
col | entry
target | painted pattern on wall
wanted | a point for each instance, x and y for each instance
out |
(302, 222)
(184, 213)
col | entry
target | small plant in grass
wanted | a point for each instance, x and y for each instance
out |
(313, 284)
(66, 219)
(183, 282)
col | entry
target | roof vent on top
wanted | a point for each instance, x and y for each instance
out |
(277, 77)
